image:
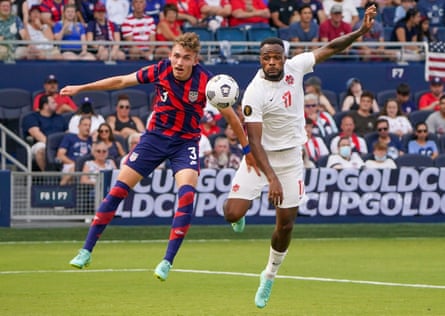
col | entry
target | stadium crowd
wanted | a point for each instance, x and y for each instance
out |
(153, 21)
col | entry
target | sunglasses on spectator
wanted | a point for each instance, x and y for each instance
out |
(123, 106)
(312, 105)
(101, 151)
(104, 131)
(422, 131)
(382, 129)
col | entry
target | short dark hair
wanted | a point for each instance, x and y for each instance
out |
(170, 7)
(43, 99)
(381, 120)
(304, 6)
(403, 89)
(367, 94)
(272, 41)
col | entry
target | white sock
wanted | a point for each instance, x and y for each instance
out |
(274, 263)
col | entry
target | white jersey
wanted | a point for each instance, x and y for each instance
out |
(279, 105)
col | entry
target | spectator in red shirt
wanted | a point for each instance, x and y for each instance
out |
(52, 11)
(249, 12)
(430, 100)
(188, 12)
(334, 26)
(51, 88)
(214, 14)
(208, 125)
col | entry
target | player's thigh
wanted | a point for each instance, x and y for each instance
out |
(246, 185)
(184, 155)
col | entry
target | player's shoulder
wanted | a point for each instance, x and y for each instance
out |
(200, 69)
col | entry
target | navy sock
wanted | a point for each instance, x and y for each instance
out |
(105, 213)
(181, 221)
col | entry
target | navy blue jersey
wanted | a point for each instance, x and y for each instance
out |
(178, 105)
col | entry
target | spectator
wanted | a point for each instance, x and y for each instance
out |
(421, 144)
(85, 10)
(133, 140)
(234, 144)
(70, 30)
(312, 85)
(167, 30)
(347, 127)
(363, 119)
(51, 88)
(353, 94)
(39, 125)
(208, 124)
(334, 26)
(221, 157)
(391, 140)
(154, 9)
(215, 13)
(74, 146)
(122, 123)
(402, 8)
(115, 149)
(188, 12)
(117, 11)
(381, 159)
(433, 10)
(436, 120)
(11, 28)
(86, 109)
(101, 29)
(315, 147)
(21, 8)
(99, 162)
(398, 123)
(52, 11)
(139, 27)
(344, 157)
(205, 149)
(403, 98)
(283, 13)
(323, 123)
(430, 100)
(304, 30)
(316, 6)
(253, 13)
(349, 12)
(426, 34)
(406, 30)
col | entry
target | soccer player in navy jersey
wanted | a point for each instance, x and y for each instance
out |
(173, 133)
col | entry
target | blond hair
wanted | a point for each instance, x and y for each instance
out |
(190, 41)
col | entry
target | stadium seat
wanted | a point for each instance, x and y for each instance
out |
(13, 104)
(100, 99)
(52, 145)
(407, 137)
(138, 100)
(332, 97)
(258, 34)
(80, 162)
(341, 98)
(339, 116)
(414, 160)
(441, 144)
(440, 161)
(388, 14)
(384, 95)
(232, 34)
(418, 116)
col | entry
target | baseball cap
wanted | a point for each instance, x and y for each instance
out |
(208, 117)
(336, 8)
(50, 78)
(86, 105)
(313, 81)
(35, 7)
(436, 81)
(99, 7)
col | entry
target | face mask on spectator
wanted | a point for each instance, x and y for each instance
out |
(345, 151)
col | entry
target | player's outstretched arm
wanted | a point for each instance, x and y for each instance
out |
(111, 83)
(342, 42)
(233, 119)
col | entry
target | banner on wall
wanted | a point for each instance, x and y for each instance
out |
(349, 195)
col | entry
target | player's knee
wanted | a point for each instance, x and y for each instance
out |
(234, 210)
(286, 228)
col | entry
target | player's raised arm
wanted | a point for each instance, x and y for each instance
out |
(340, 43)
(111, 83)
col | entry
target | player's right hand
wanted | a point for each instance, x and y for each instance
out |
(275, 192)
(70, 90)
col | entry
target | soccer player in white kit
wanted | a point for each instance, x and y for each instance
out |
(273, 106)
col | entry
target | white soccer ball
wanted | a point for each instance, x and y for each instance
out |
(222, 91)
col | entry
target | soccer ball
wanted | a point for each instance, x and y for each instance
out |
(222, 91)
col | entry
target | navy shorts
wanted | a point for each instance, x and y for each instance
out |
(154, 148)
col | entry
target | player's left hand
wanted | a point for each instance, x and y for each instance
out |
(368, 19)
(251, 163)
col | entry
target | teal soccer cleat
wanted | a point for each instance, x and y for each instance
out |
(162, 270)
(238, 227)
(263, 292)
(83, 259)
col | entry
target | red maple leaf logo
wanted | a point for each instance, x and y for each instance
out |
(235, 187)
(289, 79)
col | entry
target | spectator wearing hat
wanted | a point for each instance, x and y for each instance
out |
(208, 124)
(101, 29)
(86, 109)
(40, 124)
(430, 100)
(51, 87)
(334, 26)
(313, 86)
(349, 11)
(353, 93)
(41, 32)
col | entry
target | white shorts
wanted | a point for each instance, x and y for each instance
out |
(288, 166)
(37, 146)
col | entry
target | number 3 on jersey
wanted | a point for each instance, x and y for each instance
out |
(287, 99)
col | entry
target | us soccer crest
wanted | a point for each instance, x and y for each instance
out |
(193, 96)
(133, 156)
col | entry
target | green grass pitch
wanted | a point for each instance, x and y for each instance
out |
(330, 270)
